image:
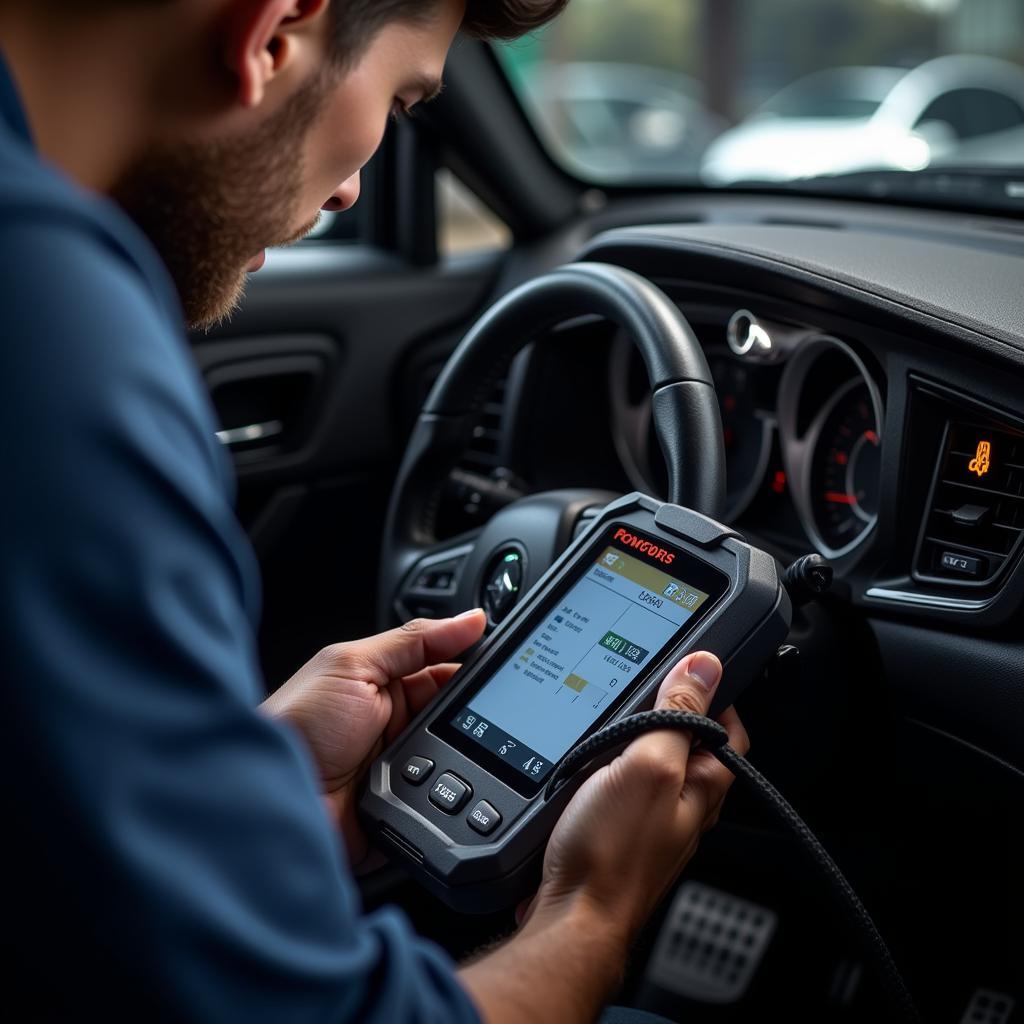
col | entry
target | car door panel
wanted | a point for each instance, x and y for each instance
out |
(314, 380)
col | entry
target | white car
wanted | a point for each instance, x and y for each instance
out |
(872, 118)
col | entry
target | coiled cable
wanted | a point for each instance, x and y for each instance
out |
(713, 737)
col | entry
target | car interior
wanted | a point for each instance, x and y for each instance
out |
(864, 327)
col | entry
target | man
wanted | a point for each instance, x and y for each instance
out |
(169, 854)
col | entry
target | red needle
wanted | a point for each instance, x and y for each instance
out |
(838, 498)
(870, 435)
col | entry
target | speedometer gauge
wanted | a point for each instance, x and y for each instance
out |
(845, 468)
(830, 429)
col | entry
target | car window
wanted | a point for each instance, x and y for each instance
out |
(464, 224)
(970, 113)
(591, 122)
(722, 92)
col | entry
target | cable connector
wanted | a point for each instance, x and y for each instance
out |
(807, 579)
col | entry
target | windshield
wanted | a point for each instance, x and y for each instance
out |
(727, 92)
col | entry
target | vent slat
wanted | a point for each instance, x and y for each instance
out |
(970, 548)
(1017, 496)
(484, 451)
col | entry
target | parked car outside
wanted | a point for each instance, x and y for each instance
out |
(874, 118)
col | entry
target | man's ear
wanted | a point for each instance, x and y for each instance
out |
(260, 41)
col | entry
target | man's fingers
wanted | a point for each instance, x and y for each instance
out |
(406, 650)
(433, 675)
(738, 738)
(421, 688)
(410, 695)
(707, 779)
(690, 686)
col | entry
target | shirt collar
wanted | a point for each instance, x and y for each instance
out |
(12, 113)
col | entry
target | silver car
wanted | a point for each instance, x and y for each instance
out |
(866, 118)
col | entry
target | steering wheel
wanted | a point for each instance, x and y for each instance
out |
(492, 566)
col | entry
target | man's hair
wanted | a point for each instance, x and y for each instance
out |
(355, 22)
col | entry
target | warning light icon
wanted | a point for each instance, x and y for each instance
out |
(982, 460)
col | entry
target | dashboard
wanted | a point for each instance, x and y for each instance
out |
(899, 452)
(869, 366)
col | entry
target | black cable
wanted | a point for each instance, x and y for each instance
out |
(714, 737)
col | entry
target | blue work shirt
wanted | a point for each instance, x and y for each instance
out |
(167, 855)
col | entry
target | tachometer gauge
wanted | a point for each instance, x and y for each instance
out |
(845, 468)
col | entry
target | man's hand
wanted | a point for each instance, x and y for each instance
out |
(620, 844)
(633, 826)
(353, 699)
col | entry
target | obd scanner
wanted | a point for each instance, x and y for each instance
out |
(468, 795)
(463, 795)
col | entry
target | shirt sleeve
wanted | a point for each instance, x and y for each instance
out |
(172, 860)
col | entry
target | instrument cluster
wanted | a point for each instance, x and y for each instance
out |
(802, 418)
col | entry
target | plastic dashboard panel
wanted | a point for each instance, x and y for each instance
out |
(965, 283)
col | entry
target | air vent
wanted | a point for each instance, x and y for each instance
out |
(485, 450)
(976, 510)
(481, 483)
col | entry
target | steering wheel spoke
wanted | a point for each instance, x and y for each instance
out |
(432, 586)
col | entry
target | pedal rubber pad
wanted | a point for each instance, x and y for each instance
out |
(988, 1007)
(710, 944)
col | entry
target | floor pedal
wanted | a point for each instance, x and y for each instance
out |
(988, 1007)
(710, 945)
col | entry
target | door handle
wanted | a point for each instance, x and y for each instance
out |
(252, 432)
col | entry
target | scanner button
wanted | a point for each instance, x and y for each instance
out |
(484, 818)
(417, 769)
(449, 793)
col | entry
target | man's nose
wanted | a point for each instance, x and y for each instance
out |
(345, 196)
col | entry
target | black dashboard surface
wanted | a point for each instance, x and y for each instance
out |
(971, 280)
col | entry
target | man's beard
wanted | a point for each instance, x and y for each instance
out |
(210, 208)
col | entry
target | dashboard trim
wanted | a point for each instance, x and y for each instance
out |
(919, 600)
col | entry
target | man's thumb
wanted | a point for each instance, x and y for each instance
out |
(691, 685)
